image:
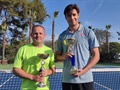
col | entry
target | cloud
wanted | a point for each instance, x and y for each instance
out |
(99, 6)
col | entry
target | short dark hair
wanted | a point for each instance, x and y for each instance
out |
(71, 7)
(37, 26)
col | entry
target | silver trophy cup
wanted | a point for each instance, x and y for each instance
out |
(70, 43)
(42, 57)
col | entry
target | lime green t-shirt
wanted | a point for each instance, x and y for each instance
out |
(27, 60)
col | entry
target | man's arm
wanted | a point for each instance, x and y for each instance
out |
(95, 58)
(22, 74)
(59, 56)
(48, 72)
(62, 57)
(93, 61)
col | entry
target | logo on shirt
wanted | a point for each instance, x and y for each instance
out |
(82, 34)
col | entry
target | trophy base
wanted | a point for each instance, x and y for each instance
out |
(73, 70)
(41, 85)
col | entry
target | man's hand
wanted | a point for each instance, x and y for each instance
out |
(44, 72)
(38, 78)
(67, 55)
(62, 57)
(79, 72)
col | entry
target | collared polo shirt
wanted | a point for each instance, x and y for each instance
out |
(85, 41)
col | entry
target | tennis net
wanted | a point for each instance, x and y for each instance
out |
(104, 79)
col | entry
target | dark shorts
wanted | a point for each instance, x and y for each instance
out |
(79, 86)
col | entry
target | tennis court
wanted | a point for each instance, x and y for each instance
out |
(104, 79)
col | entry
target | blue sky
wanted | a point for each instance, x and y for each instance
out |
(97, 13)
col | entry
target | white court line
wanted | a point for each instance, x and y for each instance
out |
(103, 86)
(6, 81)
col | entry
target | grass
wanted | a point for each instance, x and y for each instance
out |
(10, 66)
(6, 66)
(58, 65)
(108, 64)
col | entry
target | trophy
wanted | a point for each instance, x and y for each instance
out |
(42, 57)
(70, 43)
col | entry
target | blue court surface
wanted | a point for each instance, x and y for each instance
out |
(104, 79)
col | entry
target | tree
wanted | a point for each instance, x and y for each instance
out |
(53, 27)
(3, 30)
(6, 12)
(11, 49)
(118, 35)
(114, 48)
(18, 14)
(48, 43)
(100, 34)
(28, 11)
(34, 11)
(107, 36)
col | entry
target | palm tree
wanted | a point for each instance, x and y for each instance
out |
(53, 26)
(31, 16)
(97, 33)
(3, 28)
(118, 35)
(90, 27)
(32, 11)
(9, 11)
(107, 36)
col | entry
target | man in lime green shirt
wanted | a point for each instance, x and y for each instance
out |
(27, 64)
